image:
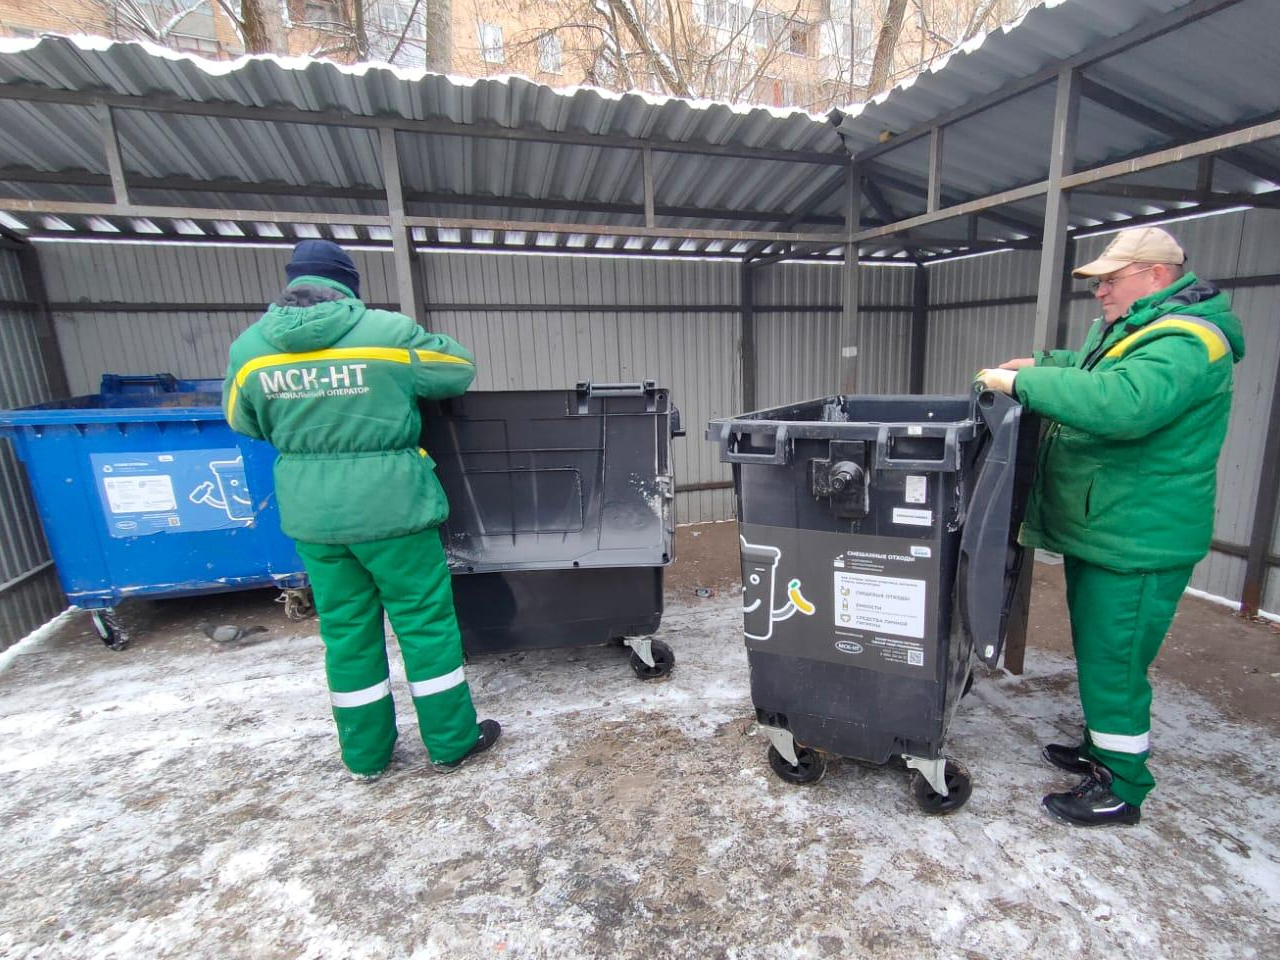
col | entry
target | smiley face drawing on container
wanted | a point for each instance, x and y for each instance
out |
(759, 574)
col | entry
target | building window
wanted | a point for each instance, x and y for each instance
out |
(799, 41)
(864, 41)
(491, 43)
(550, 55)
(199, 45)
(766, 29)
(391, 16)
(716, 13)
(322, 14)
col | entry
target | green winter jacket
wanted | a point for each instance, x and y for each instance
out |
(1128, 470)
(333, 386)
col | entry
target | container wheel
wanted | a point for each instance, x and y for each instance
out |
(109, 628)
(663, 661)
(811, 768)
(959, 787)
(298, 604)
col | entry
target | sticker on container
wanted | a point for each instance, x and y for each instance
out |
(880, 604)
(181, 491)
(917, 489)
(139, 494)
(913, 518)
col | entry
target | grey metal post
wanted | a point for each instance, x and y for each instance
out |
(1066, 112)
(919, 328)
(1264, 512)
(750, 362)
(849, 283)
(55, 369)
(646, 163)
(111, 147)
(400, 240)
(934, 192)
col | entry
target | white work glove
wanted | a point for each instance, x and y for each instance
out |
(1000, 381)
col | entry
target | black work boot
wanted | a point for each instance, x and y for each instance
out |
(490, 731)
(1073, 759)
(1091, 803)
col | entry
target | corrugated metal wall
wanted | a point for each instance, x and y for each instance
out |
(798, 329)
(29, 591)
(962, 339)
(694, 353)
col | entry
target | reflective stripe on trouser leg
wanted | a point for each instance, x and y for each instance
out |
(355, 655)
(413, 580)
(1118, 622)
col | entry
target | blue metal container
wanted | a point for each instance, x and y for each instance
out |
(144, 491)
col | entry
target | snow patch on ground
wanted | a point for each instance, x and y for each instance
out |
(184, 800)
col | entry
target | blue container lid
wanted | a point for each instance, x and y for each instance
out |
(127, 399)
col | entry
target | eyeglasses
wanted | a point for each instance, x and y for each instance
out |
(1097, 283)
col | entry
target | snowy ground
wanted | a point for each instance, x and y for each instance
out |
(185, 800)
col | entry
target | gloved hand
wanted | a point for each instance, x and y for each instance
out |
(1000, 381)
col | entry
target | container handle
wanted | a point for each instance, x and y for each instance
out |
(949, 461)
(634, 389)
(588, 391)
(729, 453)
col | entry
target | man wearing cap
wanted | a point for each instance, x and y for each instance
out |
(333, 386)
(1125, 490)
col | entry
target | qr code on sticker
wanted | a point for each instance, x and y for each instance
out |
(915, 658)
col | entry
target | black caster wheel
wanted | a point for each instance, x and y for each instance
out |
(807, 772)
(959, 787)
(110, 629)
(663, 661)
(968, 685)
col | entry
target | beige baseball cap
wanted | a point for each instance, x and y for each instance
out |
(1139, 245)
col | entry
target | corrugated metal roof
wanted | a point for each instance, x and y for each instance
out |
(573, 159)
(56, 137)
(1205, 75)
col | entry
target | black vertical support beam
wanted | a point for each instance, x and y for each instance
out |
(919, 327)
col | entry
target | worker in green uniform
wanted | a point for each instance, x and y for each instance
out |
(334, 385)
(1125, 491)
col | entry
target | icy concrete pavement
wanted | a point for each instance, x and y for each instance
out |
(184, 800)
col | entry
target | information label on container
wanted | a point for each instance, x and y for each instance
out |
(135, 494)
(183, 491)
(913, 518)
(864, 601)
(887, 604)
(917, 489)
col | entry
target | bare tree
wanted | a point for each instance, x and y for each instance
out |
(439, 28)
(886, 46)
(259, 24)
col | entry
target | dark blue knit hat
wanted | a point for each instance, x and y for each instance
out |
(323, 258)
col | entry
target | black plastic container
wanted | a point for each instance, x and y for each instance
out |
(879, 557)
(562, 515)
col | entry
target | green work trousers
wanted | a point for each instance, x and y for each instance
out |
(1118, 621)
(409, 578)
